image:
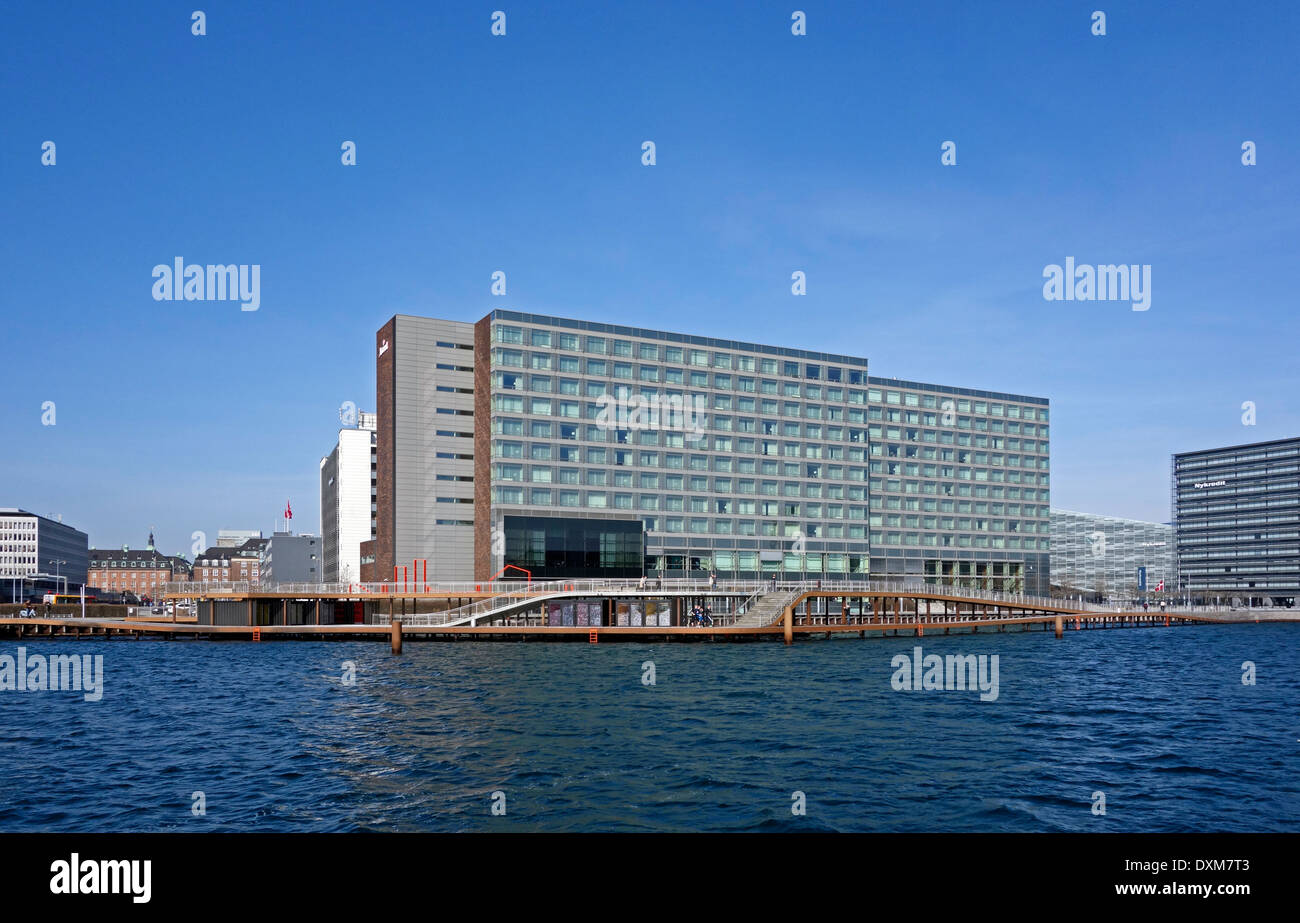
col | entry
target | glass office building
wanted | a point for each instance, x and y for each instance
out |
(1109, 557)
(636, 451)
(1237, 519)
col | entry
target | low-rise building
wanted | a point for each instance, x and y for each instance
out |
(140, 572)
(231, 565)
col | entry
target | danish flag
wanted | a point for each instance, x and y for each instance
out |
(288, 510)
(1160, 586)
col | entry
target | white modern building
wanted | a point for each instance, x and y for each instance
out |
(347, 500)
(40, 554)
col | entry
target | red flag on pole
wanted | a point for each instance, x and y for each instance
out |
(288, 510)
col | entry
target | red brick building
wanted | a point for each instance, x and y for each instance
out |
(142, 573)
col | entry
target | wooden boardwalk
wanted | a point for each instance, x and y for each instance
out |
(786, 628)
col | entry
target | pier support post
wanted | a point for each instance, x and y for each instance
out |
(397, 636)
(789, 624)
(1060, 626)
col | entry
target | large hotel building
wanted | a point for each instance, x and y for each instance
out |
(576, 449)
(1237, 521)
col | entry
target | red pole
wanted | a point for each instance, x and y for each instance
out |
(403, 578)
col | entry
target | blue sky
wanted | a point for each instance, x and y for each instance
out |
(522, 153)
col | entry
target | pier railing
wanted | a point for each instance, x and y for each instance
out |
(540, 593)
(504, 592)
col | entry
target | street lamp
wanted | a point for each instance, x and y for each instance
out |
(57, 564)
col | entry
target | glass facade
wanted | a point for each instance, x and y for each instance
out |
(1237, 518)
(733, 457)
(752, 460)
(552, 547)
(1100, 556)
(959, 484)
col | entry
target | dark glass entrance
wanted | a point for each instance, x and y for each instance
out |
(580, 548)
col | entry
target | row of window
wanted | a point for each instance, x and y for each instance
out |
(1229, 538)
(945, 540)
(953, 413)
(1267, 551)
(914, 469)
(507, 471)
(1216, 461)
(1241, 474)
(599, 455)
(645, 418)
(672, 355)
(650, 480)
(595, 387)
(1229, 522)
(837, 435)
(695, 417)
(980, 492)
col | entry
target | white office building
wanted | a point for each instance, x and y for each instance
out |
(347, 501)
(40, 554)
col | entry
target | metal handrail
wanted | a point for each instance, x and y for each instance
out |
(753, 589)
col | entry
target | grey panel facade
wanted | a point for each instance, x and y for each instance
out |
(291, 559)
(433, 450)
(1237, 516)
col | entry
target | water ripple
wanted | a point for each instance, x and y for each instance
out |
(727, 739)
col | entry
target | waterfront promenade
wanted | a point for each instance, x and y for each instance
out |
(610, 611)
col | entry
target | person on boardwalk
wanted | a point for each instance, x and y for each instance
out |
(713, 580)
